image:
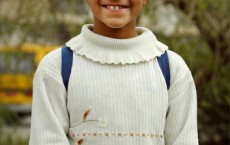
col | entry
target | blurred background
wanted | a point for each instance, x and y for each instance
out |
(199, 30)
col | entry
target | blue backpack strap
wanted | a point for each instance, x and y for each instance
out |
(163, 61)
(67, 60)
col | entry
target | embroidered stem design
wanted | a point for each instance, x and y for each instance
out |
(84, 122)
(100, 122)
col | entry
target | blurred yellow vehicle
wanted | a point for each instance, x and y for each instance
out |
(17, 67)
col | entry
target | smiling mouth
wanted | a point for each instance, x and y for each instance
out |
(115, 7)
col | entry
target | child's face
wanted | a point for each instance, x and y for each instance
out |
(116, 13)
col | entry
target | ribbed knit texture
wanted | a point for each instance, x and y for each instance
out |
(117, 95)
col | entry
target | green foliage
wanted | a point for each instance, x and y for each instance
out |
(16, 141)
(10, 118)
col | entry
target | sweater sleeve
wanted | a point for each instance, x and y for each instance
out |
(49, 121)
(181, 121)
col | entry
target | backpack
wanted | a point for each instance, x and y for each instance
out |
(67, 58)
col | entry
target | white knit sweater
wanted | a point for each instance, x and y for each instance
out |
(117, 95)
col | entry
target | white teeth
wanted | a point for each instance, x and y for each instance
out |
(110, 7)
(114, 7)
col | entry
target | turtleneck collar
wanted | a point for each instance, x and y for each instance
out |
(107, 50)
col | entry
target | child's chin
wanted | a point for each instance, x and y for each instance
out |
(116, 25)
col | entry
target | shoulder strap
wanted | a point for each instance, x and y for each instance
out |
(164, 65)
(67, 59)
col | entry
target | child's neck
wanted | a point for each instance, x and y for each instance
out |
(126, 32)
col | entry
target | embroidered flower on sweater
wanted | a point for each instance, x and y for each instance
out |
(79, 142)
(86, 114)
(101, 122)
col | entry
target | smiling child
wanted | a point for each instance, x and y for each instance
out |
(117, 93)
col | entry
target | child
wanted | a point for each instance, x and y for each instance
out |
(117, 94)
